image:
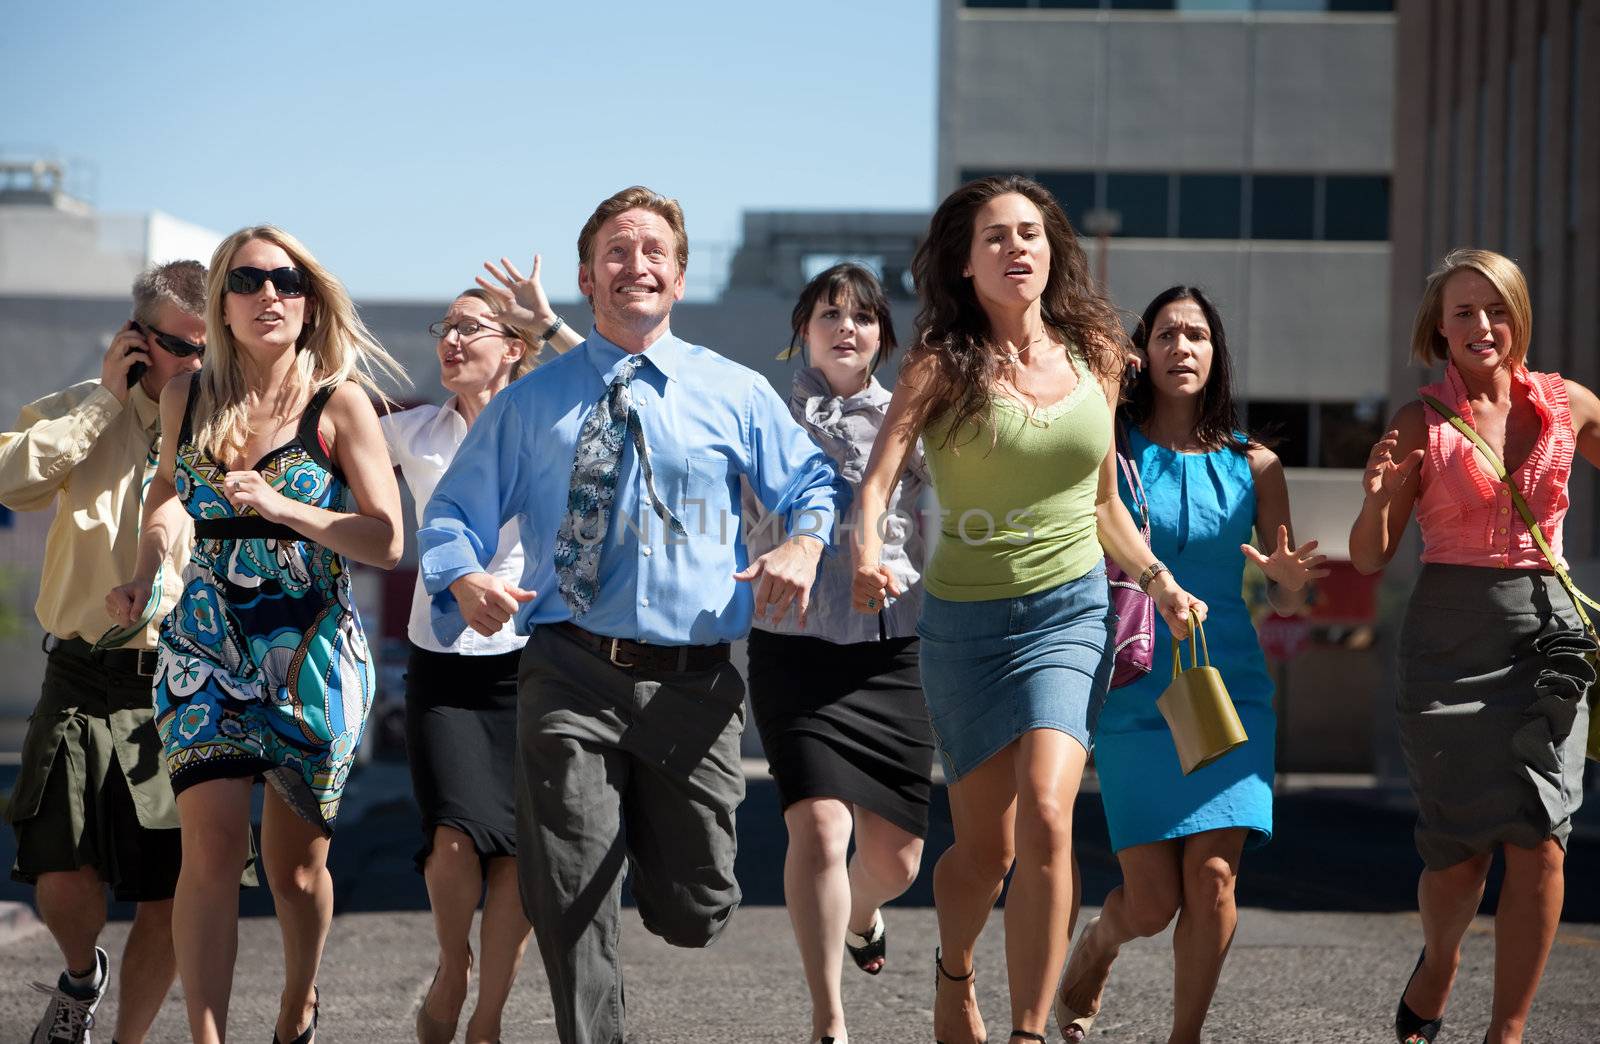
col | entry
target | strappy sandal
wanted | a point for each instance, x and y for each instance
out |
(1028, 1035)
(874, 945)
(1067, 1020)
(938, 972)
(1409, 1027)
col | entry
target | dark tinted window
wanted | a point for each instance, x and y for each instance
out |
(971, 174)
(1142, 5)
(1289, 423)
(998, 3)
(1356, 206)
(1348, 430)
(1078, 4)
(1282, 206)
(1359, 6)
(1209, 206)
(1075, 193)
(1141, 199)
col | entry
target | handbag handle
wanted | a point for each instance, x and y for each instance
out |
(1130, 474)
(1198, 656)
(1579, 599)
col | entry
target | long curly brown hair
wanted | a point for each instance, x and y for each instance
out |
(952, 327)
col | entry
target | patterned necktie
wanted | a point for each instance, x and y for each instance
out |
(594, 487)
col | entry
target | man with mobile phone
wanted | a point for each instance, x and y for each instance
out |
(92, 806)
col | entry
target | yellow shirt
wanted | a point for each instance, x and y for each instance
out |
(94, 454)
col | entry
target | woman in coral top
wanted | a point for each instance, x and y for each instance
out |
(1493, 678)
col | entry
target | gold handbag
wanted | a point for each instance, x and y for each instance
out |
(1579, 599)
(1204, 723)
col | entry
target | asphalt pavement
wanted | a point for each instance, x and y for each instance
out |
(1327, 936)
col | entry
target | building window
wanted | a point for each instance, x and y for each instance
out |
(1210, 206)
(1282, 206)
(1346, 432)
(1075, 193)
(1142, 200)
(1287, 425)
(1356, 207)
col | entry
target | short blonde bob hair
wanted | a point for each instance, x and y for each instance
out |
(334, 346)
(1428, 345)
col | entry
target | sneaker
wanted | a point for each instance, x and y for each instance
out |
(70, 1015)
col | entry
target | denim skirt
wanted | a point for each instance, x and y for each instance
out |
(994, 669)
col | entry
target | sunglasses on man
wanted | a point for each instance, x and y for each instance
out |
(172, 343)
(289, 282)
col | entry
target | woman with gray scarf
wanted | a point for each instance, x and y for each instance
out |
(838, 700)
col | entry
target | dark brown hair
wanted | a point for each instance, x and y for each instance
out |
(851, 282)
(952, 326)
(1218, 423)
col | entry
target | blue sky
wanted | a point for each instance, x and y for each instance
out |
(405, 145)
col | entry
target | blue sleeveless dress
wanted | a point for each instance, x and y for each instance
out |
(264, 668)
(1202, 507)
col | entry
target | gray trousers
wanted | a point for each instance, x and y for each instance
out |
(618, 768)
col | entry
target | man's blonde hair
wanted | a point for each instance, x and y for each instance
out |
(1428, 345)
(635, 197)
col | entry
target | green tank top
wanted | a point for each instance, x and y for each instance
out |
(1018, 518)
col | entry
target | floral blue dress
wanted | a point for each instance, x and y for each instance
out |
(264, 668)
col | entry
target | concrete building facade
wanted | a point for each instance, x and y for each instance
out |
(1245, 147)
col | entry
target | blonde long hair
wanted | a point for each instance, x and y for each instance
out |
(334, 345)
(1428, 345)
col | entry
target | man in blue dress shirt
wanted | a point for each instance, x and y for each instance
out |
(620, 461)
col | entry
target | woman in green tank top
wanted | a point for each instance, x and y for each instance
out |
(1010, 385)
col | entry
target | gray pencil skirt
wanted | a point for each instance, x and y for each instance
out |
(1493, 710)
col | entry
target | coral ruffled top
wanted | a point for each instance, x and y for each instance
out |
(1466, 514)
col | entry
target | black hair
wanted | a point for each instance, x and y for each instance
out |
(1218, 424)
(862, 287)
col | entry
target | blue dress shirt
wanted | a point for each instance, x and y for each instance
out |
(706, 420)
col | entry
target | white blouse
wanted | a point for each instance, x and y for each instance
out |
(423, 441)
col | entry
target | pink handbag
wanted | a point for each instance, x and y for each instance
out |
(1134, 642)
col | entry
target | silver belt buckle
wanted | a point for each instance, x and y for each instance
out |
(612, 656)
(149, 663)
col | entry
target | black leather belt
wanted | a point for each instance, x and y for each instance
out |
(641, 656)
(142, 662)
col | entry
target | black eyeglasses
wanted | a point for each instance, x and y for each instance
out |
(289, 282)
(464, 329)
(176, 345)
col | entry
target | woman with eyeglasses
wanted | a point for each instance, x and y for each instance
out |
(461, 698)
(274, 450)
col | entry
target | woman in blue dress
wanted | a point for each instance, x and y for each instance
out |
(274, 450)
(1179, 838)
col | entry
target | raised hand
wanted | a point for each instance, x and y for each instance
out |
(1385, 477)
(1290, 569)
(519, 298)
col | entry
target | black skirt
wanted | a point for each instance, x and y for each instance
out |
(846, 722)
(461, 740)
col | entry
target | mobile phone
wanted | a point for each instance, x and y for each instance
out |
(137, 370)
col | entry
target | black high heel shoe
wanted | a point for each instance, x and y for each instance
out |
(309, 1034)
(938, 972)
(1410, 1027)
(1028, 1035)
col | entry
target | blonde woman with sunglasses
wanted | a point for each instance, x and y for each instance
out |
(274, 450)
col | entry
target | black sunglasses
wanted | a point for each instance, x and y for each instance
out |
(176, 345)
(289, 282)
